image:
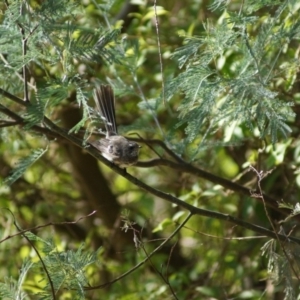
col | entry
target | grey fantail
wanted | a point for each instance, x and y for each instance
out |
(113, 147)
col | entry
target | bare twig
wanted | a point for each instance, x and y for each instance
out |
(38, 254)
(144, 260)
(162, 145)
(24, 50)
(6, 123)
(261, 175)
(160, 273)
(226, 238)
(159, 53)
(21, 232)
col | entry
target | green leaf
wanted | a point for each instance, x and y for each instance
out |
(163, 224)
(23, 165)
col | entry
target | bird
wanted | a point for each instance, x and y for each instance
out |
(114, 147)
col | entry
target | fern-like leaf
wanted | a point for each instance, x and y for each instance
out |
(23, 165)
(12, 289)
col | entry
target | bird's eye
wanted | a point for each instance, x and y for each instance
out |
(111, 149)
(131, 147)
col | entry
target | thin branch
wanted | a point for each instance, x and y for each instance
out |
(162, 145)
(160, 273)
(261, 175)
(144, 260)
(21, 122)
(245, 36)
(24, 52)
(153, 113)
(24, 49)
(191, 208)
(38, 254)
(226, 238)
(12, 97)
(43, 264)
(6, 123)
(170, 198)
(21, 232)
(159, 54)
(184, 167)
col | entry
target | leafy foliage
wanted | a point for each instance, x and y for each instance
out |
(10, 289)
(245, 92)
(65, 268)
(23, 165)
(225, 97)
(279, 268)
